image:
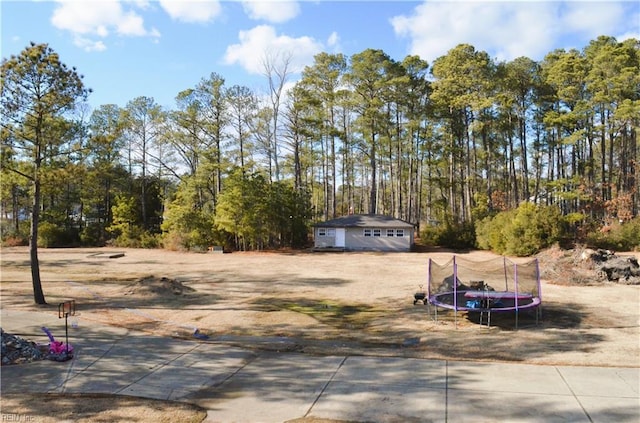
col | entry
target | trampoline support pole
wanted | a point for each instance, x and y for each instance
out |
(539, 308)
(504, 268)
(435, 308)
(515, 281)
(455, 292)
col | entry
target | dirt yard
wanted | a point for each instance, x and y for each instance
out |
(330, 303)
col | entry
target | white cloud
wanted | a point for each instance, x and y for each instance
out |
(333, 40)
(88, 45)
(262, 40)
(595, 19)
(141, 4)
(192, 10)
(507, 30)
(274, 11)
(630, 34)
(90, 19)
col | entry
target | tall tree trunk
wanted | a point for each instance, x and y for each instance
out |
(525, 157)
(452, 196)
(218, 186)
(373, 197)
(514, 194)
(612, 165)
(38, 295)
(634, 181)
(297, 167)
(325, 179)
(145, 220)
(334, 200)
(14, 208)
(603, 155)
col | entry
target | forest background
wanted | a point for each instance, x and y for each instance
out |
(509, 156)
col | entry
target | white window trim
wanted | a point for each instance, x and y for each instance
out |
(326, 232)
(381, 232)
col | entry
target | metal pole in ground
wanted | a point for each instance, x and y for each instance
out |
(66, 309)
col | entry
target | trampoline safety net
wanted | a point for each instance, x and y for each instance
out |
(448, 282)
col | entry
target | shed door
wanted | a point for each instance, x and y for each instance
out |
(340, 237)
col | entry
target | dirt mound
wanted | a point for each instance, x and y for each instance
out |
(158, 287)
(585, 266)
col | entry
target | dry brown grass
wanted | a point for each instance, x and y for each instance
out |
(347, 303)
(56, 408)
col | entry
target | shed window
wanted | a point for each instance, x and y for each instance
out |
(377, 232)
(326, 232)
(367, 232)
(400, 232)
(390, 232)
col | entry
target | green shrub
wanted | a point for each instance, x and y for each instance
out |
(523, 237)
(194, 239)
(91, 236)
(533, 229)
(630, 234)
(149, 240)
(49, 235)
(490, 233)
(186, 228)
(429, 236)
(129, 237)
(174, 241)
(523, 231)
(621, 237)
(483, 228)
(458, 236)
(136, 237)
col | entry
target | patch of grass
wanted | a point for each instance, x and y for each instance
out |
(332, 313)
(52, 408)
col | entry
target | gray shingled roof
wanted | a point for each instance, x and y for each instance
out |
(365, 220)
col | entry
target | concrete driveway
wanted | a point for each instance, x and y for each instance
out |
(243, 385)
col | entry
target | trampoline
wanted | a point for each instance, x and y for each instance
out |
(494, 286)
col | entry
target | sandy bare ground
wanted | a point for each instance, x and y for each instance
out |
(330, 303)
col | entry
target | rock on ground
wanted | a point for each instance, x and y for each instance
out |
(16, 350)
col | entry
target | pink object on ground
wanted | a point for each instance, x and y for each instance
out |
(57, 347)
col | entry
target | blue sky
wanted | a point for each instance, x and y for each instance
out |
(130, 48)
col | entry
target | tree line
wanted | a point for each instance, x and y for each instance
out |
(448, 143)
